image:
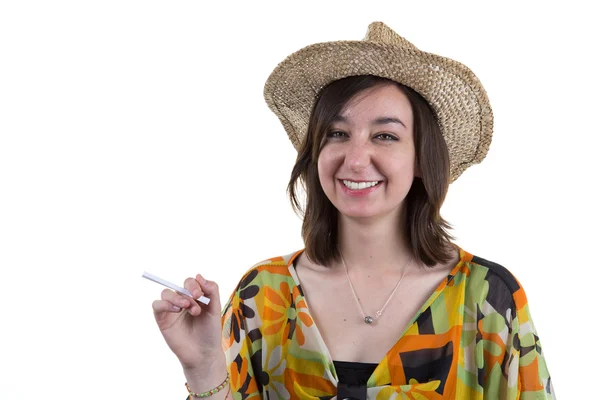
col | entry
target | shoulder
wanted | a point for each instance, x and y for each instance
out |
(495, 285)
(268, 271)
(277, 261)
(496, 273)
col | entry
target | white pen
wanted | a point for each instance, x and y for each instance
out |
(153, 278)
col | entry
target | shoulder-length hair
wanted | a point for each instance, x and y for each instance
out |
(425, 229)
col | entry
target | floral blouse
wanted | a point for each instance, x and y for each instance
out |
(472, 339)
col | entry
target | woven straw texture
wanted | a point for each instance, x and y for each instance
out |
(454, 92)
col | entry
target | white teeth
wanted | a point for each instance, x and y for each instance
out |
(359, 185)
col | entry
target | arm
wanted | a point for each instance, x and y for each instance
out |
(509, 359)
(532, 373)
(514, 366)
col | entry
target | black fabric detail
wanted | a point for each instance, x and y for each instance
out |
(256, 363)
(255, 335)
(300, 290)
(249, 292)
(246, 311)
(351, 392)
(505, 363)
(425, 323)
(499, 270)
(354, 372)
(426, 365)
(235, 328)
(353, 378)
(500, 297)
(516, 343)
(481, 377)
(238, 365)
(526, 349)
(248, 278)
(299, 284)
(502, 286)
(479, 338)
(264, 378)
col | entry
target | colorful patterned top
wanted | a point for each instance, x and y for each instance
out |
(472, 339)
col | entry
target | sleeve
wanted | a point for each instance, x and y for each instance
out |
(528, 368)
(509, 360)
(241, 339)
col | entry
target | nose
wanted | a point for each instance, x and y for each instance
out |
(358, 156)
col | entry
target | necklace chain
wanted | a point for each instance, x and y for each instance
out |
(367, 318)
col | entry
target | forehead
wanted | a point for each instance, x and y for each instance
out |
(384, 100)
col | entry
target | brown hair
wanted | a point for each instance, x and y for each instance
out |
(426, 230)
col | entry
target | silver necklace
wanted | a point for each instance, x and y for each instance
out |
(367, 318)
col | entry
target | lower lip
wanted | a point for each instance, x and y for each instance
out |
(359, 192)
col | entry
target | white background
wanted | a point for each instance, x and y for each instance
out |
(134, 136)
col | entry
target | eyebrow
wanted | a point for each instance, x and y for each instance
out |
(377, 121)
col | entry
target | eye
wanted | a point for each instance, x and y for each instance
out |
(386, 137)
(336, 134)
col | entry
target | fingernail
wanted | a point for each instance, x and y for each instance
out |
(197, 293)
(202, 278)
(175, 308)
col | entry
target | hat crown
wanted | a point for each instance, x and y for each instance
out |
(381, 33)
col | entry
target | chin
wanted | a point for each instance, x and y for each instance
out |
(360, 214)
(366, 214)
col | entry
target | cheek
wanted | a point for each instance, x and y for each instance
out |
(325, 166)
(405, 166)
(323, 174)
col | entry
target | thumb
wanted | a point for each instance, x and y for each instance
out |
(211, 290)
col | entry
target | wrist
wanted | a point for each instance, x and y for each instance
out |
(203, 363)
(205, 377)
(208, 393)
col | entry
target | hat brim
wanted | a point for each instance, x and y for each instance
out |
(453, 91)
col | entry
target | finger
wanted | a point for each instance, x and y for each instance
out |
(176, 298)
(162, 306)
(193, 286)
(194, 310)
(211, 290)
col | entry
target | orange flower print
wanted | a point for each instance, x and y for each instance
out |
(241, 378)
(236, 311)
(281, 313)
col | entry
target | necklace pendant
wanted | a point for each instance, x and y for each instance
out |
(368, 320)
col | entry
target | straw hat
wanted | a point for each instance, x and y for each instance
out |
(454, 92)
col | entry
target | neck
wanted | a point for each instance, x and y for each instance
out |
(374, 245)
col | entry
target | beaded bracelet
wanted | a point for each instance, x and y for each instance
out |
(210, 392)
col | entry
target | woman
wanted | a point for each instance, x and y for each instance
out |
(380, 304)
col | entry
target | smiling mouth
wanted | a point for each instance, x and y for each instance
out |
(360, 185)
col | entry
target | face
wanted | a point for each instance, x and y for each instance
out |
(367, 163)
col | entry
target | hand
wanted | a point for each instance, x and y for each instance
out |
(192, 332)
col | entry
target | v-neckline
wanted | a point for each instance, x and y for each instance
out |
(438, 290)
